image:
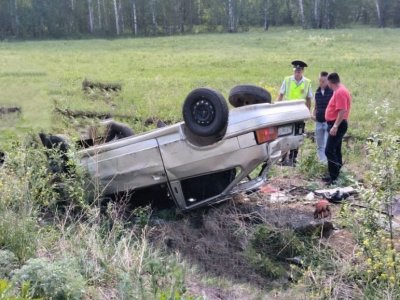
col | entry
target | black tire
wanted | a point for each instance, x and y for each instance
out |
(242, 95)
(205, 113)
(2, 158)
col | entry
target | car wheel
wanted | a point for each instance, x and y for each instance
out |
(242, 95)
(205, 113)
(2, 158)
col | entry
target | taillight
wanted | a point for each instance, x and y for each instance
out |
(266, 135)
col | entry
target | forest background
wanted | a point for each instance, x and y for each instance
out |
(42, 19)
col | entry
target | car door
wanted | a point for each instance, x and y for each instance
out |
(124, 165)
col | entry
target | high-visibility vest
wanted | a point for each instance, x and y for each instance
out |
(294, 91)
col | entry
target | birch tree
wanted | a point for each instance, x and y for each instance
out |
(153, 15)
(100, 25)
(231, 17)
(134, 18)
(14, 17)
(301, 8)
(181, 16)
(104, 13)
(381, 21)
(90, 8)
(266, 21)
(317, 18)
(116, 15)
(121, 16)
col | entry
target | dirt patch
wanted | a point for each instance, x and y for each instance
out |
(9, 116)
(343, 243)
(90, 114)
(198, 288)
(10, 110)
(88, 85)
(217, 240)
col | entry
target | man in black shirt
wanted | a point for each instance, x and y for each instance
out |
(322, 96)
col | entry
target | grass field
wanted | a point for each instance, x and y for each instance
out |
(53, 227)
(157, 73)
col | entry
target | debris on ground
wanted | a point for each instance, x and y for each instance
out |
(90, 114)
(90, 85)
(9, 110)
(336, 195)
(310, 196)
(268, 189)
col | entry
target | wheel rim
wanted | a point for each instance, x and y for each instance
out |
(203, 112)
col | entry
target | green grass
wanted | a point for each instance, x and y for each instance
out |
(158, 73)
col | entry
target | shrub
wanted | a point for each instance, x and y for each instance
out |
(53, 280)
(8, 263)
(27, 179)
(379, 272)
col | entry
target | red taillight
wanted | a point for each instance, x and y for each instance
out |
(266, 134)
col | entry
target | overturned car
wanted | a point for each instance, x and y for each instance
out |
(212, 155)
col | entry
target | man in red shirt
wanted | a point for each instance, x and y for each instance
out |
(336, 116)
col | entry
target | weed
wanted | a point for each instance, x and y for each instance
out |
(309, 165)
(8, 291)
(8, 263)
(54, 280)
(373, 226)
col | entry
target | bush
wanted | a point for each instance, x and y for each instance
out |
(378, 272)
(27, 179)
(8, 263)
(51, 280)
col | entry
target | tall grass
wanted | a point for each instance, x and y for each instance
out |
(157, 73)
(38, 215)
(67, 247)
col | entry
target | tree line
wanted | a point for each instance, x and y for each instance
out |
(74, 18)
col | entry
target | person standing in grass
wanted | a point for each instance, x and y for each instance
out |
(322, 96)
(336, 115)
(295, 87)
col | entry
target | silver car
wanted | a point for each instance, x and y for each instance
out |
(206, 159)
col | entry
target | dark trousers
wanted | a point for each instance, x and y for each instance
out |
(333, 149)
(292, 160)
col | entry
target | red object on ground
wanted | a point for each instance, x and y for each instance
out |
(322, 209)
(267, 189)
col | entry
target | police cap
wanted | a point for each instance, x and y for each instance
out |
(299, 65)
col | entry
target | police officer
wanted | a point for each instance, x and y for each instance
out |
(296, 87)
